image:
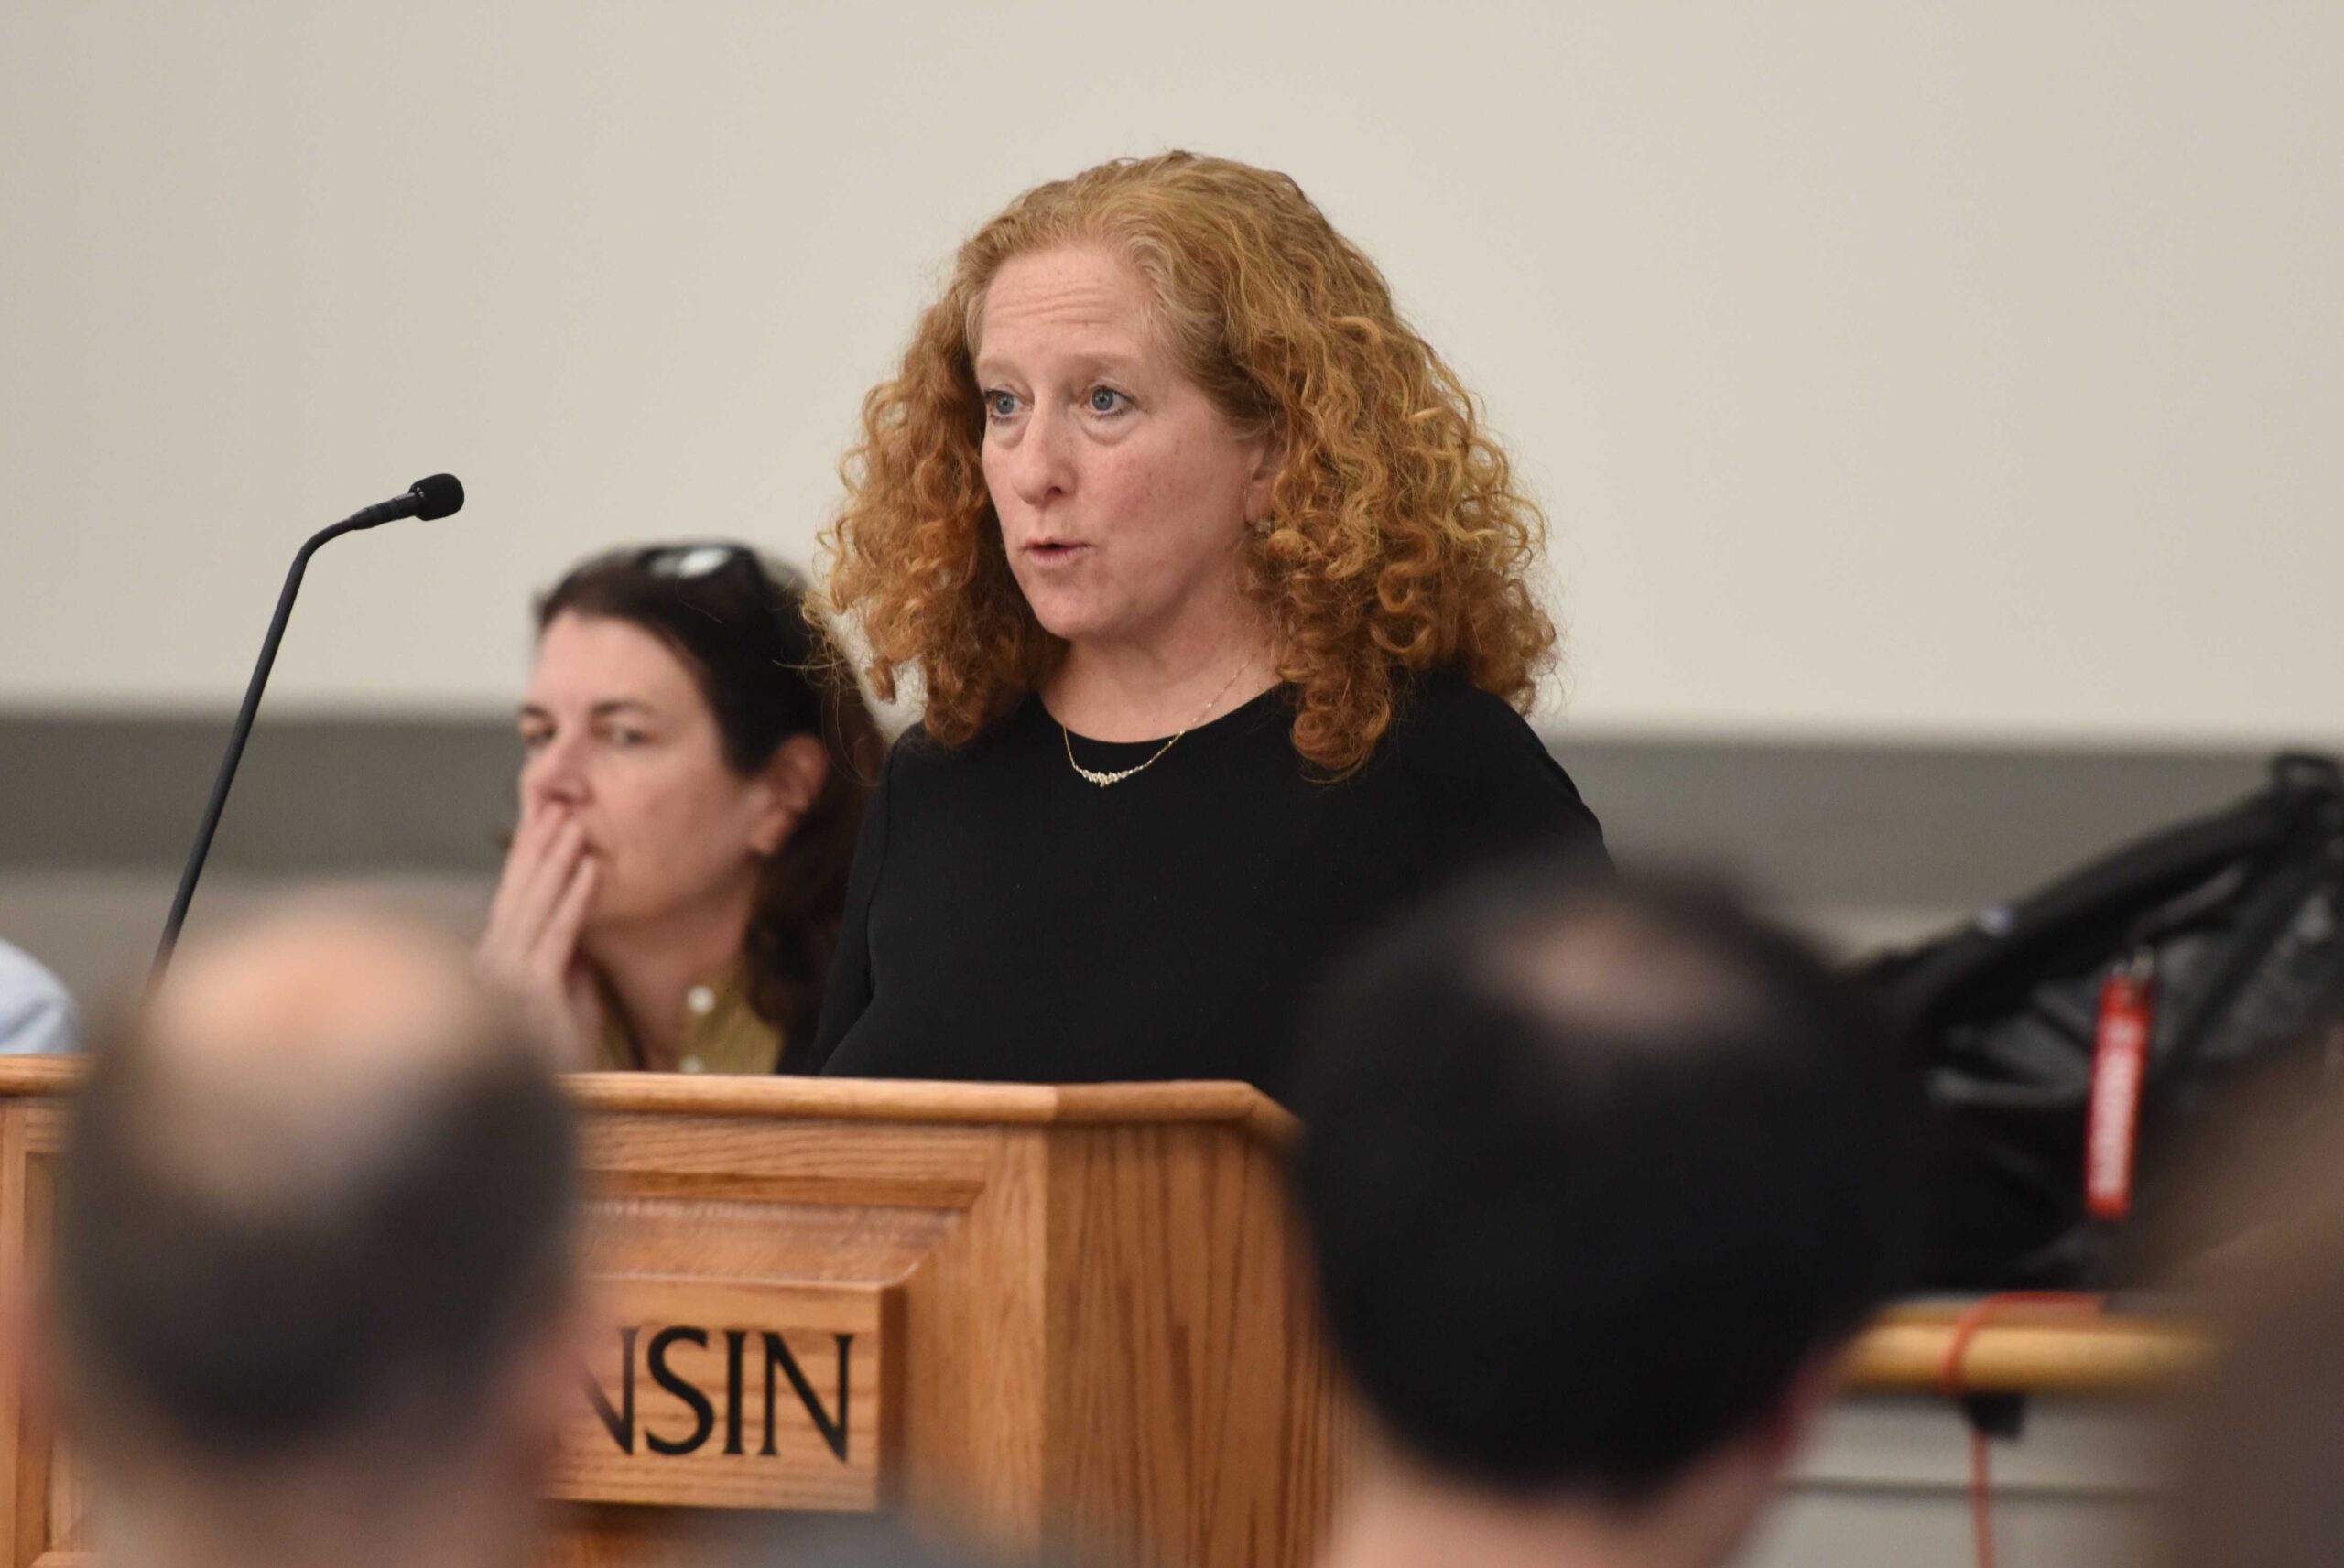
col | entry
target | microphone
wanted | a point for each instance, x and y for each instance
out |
(437, 496)
(429, 499)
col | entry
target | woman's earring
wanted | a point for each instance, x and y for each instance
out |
(1263, 526)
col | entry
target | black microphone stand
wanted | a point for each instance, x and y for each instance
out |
(381, 513)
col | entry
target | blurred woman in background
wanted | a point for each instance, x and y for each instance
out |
(695, 773)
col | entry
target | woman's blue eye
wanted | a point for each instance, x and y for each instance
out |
(1105, 400)
(999, 405)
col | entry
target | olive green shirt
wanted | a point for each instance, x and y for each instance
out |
(723, 1034)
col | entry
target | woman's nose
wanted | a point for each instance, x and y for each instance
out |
(552, 777)
(1042, 469)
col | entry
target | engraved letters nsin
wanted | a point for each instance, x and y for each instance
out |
(620, 1420)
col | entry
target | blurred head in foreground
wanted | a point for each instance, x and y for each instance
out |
(2261, 1437)
(1598, 1179)
(313, 1276)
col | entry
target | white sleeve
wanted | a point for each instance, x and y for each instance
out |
(36, 1013)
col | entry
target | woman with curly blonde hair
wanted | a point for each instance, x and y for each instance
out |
(1216, 599)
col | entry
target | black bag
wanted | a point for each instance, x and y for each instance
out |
(2235, 922)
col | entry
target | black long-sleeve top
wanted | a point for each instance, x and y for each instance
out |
(1008, 920)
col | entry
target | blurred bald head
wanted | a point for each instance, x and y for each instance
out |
(320, 1194)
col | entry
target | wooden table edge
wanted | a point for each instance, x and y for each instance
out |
(852, 1100)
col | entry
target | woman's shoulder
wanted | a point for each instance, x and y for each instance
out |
(1470, 755)
(1444, 706)
(918, 759)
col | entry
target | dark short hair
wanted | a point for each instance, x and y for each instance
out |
(768, 671)
(253, 1329)
(1574, 1235)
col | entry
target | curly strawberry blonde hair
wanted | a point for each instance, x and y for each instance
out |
(1398, 538)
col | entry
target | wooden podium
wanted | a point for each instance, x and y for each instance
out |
(1044, 1316)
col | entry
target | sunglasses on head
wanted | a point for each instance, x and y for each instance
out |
(687, 561)
(697, 562)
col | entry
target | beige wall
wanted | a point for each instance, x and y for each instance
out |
(1962, 370)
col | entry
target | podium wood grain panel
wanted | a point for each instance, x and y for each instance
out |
(1175, 1255)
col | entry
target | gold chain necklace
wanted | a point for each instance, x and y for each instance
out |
(1119, 775)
